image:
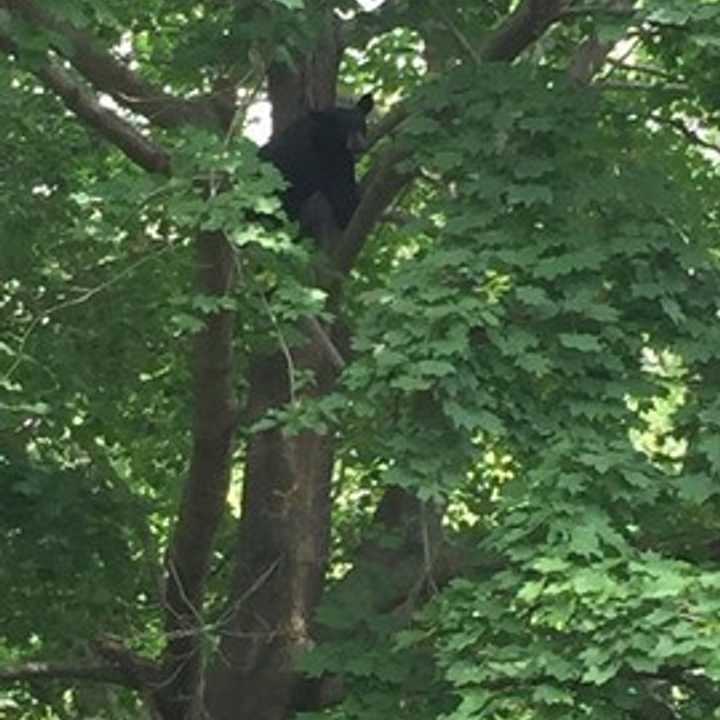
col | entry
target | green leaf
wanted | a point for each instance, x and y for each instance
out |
(581, 342)
(699, 488)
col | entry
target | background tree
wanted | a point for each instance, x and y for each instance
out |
(459, 460)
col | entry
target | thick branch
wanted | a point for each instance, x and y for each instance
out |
(110, 75)
(387, 181)
(522, 29)
(205, 491)
(86, 106)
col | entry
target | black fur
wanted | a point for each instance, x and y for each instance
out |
(317, 154)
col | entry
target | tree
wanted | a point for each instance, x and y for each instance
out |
(456, 460)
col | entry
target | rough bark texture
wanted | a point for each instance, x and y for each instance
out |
(281, 554)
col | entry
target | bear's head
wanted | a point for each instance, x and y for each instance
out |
(343, 128)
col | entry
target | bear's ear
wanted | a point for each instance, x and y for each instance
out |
(366, 103)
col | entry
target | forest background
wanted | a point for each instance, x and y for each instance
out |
(458, 461)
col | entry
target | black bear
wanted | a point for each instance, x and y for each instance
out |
(317, 154)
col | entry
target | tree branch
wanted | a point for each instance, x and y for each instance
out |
(692, 135)
(642, 70)
(386, 182)
(109, 75)
(512, 37)
(205, 490)
(388, 124)
(86, 106)
(522, 29)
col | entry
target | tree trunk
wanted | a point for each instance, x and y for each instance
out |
(281, 555)
(285, 525)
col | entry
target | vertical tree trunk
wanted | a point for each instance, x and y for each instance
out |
(179, 693)
(285, 525)
(281, 556)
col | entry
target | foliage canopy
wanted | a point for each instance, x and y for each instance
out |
(460, 461)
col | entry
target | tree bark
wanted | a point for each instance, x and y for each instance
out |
(284, 530)
(205, 490)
